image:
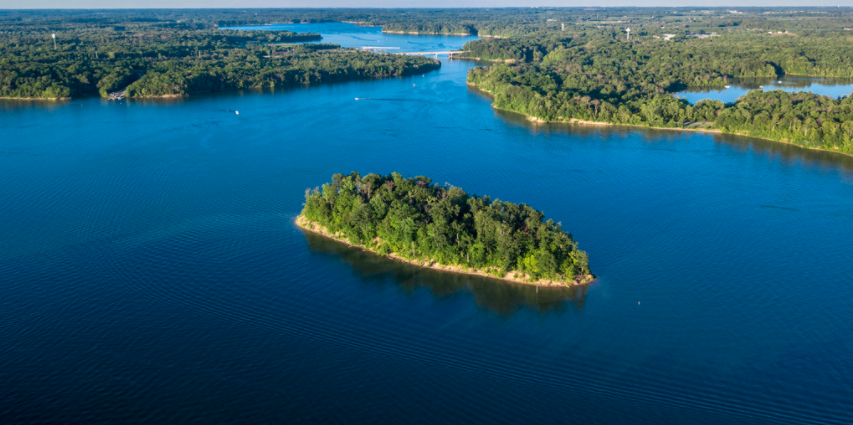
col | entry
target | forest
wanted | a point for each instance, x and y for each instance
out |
(417, 219)
(93, 57)
(560, 64)
(599, 75)
(245, 70)
(504, 22)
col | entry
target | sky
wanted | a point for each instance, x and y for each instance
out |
(117, 4)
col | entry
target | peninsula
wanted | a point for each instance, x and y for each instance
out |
(595, 78)
(146, 55)
(442, 227)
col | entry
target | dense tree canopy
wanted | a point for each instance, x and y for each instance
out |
(598, 76)
(245, 70)
(95, 56)
(567, 63)
(414, 218)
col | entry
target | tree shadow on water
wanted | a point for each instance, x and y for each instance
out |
(493, 295)
(786, 152)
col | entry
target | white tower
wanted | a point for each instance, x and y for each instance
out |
(628, 30)
(54, 40)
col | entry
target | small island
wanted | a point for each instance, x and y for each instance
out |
(442, 227)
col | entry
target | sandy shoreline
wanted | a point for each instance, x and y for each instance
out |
(487, 60)
(601, 123)
(423, 33)
(161, 96)
(698, 130)
(49, 99)
(311, 226)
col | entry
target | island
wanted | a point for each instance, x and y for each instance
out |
(442, 227)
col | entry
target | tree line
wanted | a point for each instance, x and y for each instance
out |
(90, 58)
(506, 22)
(596, 76)
(245, 70)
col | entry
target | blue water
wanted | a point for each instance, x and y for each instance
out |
(150, 270)
(826, 87)
(349, 35)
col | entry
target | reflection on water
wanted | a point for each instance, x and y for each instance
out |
(662, 139)
(500, 297)
(145, 251)
(7, 104)
(788, 152)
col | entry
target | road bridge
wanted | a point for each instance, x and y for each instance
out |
(449, 53)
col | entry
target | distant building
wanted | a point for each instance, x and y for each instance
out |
(713, 34)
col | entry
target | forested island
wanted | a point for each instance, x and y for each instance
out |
(443, 227)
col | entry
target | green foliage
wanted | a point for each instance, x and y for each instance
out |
(805, 119)
(244, 70)
(524, 49)
(596, 77)
(414, 218)
(93, 56)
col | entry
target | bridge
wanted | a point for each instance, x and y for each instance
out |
(378, 48)
(449, 53)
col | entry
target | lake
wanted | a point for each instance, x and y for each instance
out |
(150, 270)
(833, 87)
(349, 35)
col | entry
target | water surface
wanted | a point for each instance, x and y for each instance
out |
(150, 270)
(832, 87)
(349, 35)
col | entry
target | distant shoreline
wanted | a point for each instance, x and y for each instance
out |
(487, 60)
(314, 227)
(419, 71)
(461, 34)
(576, 121)
(49, 99)
(163, 96)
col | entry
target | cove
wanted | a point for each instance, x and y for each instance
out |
(831, 87)
(150, 269)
